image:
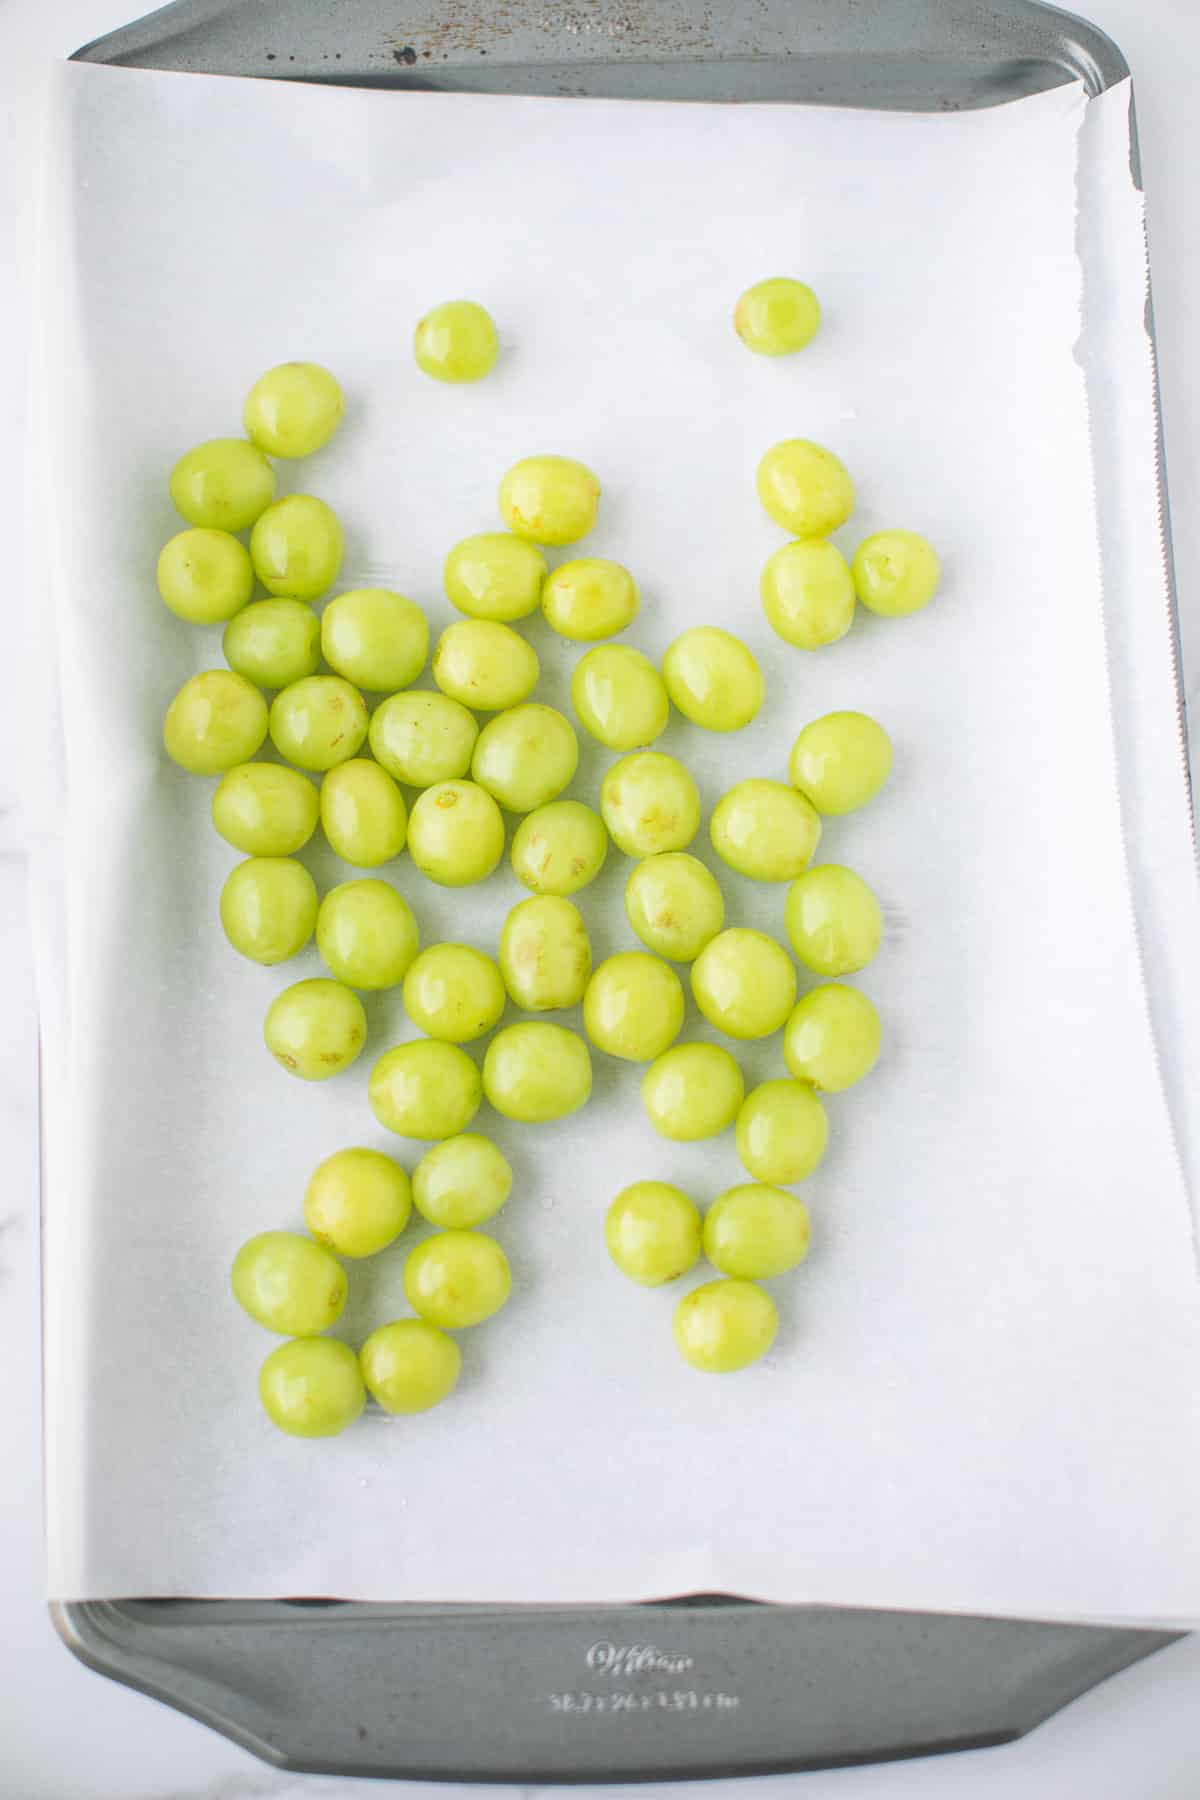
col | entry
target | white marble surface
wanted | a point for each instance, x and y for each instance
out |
(66, 1734)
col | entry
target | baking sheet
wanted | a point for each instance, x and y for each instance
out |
(983, 1398)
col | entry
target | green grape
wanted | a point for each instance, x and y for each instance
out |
(805, 488)
(634, 1006)
(777, 317)
(551, 499)
(265, 810)
(296, 547)
(545, 955)
(754, 1232)
(525, 756)
(833, 920)
(782, 1132)
(224, 483)
(269, 908)
(674, 905)
(455, 833)
(293, 409)
(204, 576)
(423, 738)
(725, 1325)
(650, 804)
(833, 1038)
(454, 993)
(318, 722)
(765, 830)
(744, 983)
(840, 761)
(315, 1029)
(215, 721)
(895, 572)
(312, 1387)
(366, 934)
(483, 664)
(713, 679)
(456, 342)
(590, 598)
(559, 848)
(807, 593)
(457, 1279)
(620, 697)
(653, 1232)
(461, 1182)
(375, 638)
(357, 1201)
(288, 1283)
(274, 642)
(495, 575)
(536, 1071)
(425, 1089)
(692, 1091)
(363, 813)
(410, 1366)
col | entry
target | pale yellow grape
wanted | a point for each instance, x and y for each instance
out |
(296, 547)
(274, 642)
(422, 738)
(536, 1071)
(652, 1231)
(744, 983)
(551, 499)
(425, 1089)
(805, 488)
(225, 483)
(782, 1134)
(526, 756)
(650, 804)
(833, 920)
(895, 573)
(454, 992)
(265, 810)
(457, 1279)
(765, 830)
(367, 934)
(833, 1038)
(495, 575)
(545, 955)
(634, 1006)
(559, 848)
(315, 1029)
(410, 1366)
(619, 697)
(357, 1202)
(363, 813)
(376, 638)
(204, 576)
(484, 664)
(713, 678)
(461, 1182)
(312, 1387)
(455, 833)
(319, 722)
(777, 317)
(756, 1231)
(216, 720)
(841, 761)
(807, 593)
(288, 1283)
(293, 409)
(589, 598)
(692, 1091)
(674, 905)
(724, 1326)
(456, 342)
(269, 908)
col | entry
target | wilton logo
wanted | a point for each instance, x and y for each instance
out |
(635, 1659)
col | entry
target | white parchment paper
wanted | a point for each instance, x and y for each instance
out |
(984, 1397)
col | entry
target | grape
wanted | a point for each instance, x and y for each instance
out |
(425, 1089)
(224, 483)
(205, 576)
(536, 1071)
(375, 638)
(265, 810)
(674, 905)
(423, 738)
(495, 575)
(725, 1325)
(551, 499)
(274, 642)
(650, 804)
(776, 317)
(692, 1091)
(293, 409)
(318, 722)
(805, 488)
(765, 830)
(833, 1038)
(312, 1387)
(840, 761)
(409, 1366)
(461, 1182)
(366, 934)
(653, 1232)
(807, 593)
(296, 547)
(363, 813)
(454, 993)
(833, 920)
(545, 956)
(456, 342)
(744, 983)
(357, 1201)
(457, 1279)
(483, 664)
(754, 1232)
(634, 1006)
(216, 720)
(782, 1132)
(525, 756)
(895, 572)
(620, 697)
(559, 848)
(269, 908)
(713, 679)
(589, 598)
(288, 1283)
(315, 1029)
(455, 833)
